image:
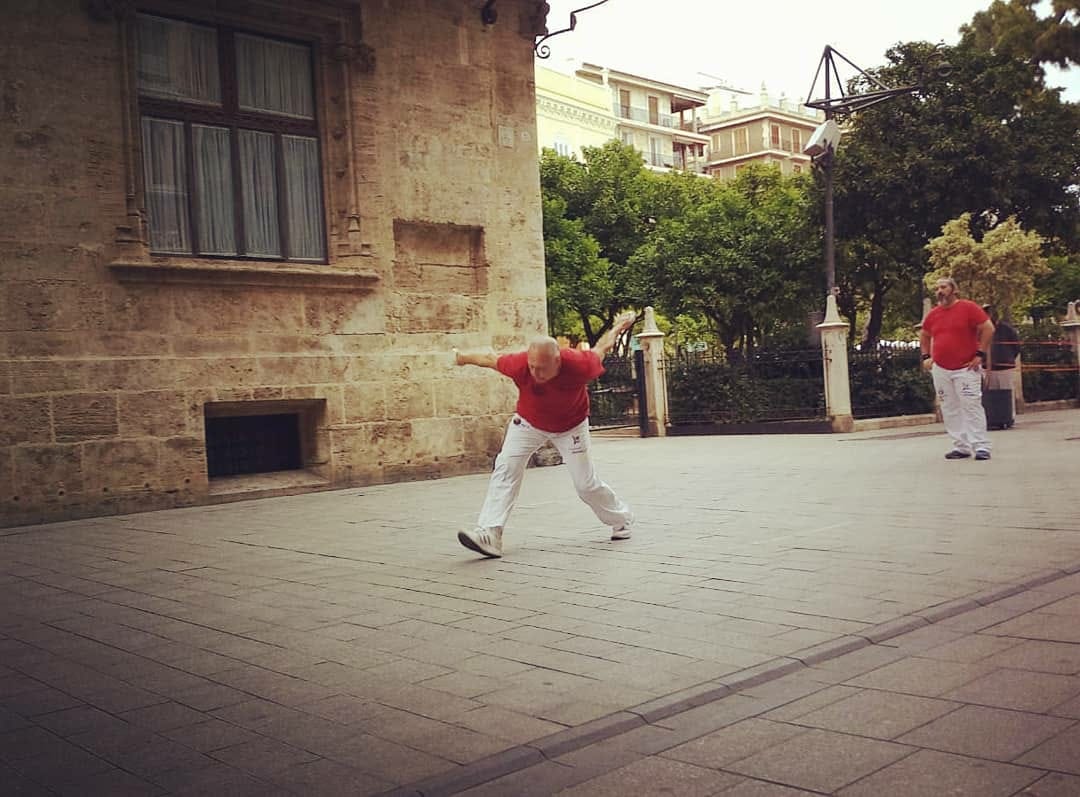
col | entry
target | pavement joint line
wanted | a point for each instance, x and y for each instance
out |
(515, 759)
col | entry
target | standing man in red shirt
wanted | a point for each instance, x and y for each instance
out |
(553, 404)
(954, 339)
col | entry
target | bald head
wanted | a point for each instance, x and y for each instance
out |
(543, 359)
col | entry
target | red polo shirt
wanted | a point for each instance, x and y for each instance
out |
(559, 404)
(953, 331)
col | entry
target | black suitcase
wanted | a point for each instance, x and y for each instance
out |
(999, 408)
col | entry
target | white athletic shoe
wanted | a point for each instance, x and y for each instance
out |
(621, 533)
(484, 541)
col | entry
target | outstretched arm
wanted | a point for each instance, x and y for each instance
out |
(607, 340)
(484, 359)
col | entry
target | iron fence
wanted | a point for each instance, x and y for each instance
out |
(617, 397)
(778, 385)
(1049, 370)
(887, 381)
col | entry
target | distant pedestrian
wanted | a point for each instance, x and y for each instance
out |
(1003, 351)
(954, 340)
(552, 405)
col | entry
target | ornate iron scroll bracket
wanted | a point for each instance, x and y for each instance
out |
(541, 49)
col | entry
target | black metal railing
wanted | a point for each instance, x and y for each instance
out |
(617, 397)
(887, 381)
(1048, 370)
(765, 386)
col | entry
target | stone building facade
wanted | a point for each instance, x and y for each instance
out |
(241, 237)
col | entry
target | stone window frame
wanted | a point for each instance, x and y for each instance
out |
(342, 64)
(229, 114)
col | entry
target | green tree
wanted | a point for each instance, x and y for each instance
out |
(1016, 28)
(1059, 286)
(745, 257)
(1001, 269)
(982, 133)
(605, 195)
(578, 279)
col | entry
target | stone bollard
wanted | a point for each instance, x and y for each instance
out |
(652, 344)
(834, 333)
(1072, 329)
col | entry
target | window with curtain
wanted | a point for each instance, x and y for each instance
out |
(230, 143)
(742, 140)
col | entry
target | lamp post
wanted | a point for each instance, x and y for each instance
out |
(822, 145)
(822, 149)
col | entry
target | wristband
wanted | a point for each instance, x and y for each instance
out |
(925, 357)
(982, 354)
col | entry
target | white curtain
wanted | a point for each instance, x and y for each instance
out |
(259, 193)
(303, 197)
(274, 76)
(166, 185)
(214, 190)
(178, 61)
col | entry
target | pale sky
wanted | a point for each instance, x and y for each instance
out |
(778, 42)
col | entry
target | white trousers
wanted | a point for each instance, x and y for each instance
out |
(960, 394)
(521, 441)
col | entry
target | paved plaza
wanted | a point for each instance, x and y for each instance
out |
(794, 615)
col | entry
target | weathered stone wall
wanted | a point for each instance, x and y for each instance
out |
(109, 356)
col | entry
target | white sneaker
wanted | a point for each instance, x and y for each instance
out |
(484, 541)
(621, 533)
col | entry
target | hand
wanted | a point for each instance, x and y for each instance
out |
(975, 363)
(928, 364)
(458, 359)
(625, 320)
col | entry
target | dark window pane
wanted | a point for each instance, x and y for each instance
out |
(214, 189)
(302, 186)
(178, 61)
(258, 177)
(274, 77)
(164, 162)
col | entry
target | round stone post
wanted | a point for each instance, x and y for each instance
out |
(652, 344)
(1072, 329)
(834, 353)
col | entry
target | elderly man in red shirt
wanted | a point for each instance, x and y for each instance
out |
(552, 405)
(954, 339)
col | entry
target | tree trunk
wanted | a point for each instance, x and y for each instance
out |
(877, 315)
(590, 336)
(845, 305)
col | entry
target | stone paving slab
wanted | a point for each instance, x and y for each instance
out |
(345, 643)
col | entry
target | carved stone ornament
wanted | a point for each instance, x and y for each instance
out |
(534, 22)
(361, 55)
(107, 10)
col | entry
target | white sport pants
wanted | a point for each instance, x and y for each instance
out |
(960, 394)
(522, 439)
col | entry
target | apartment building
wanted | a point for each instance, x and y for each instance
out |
(571, 113)
(656, 118)
(770, 131)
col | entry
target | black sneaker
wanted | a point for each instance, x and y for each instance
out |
(982, 454)
(958, 454)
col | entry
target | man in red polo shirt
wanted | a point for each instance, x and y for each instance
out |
(954, 339)
(553, 404)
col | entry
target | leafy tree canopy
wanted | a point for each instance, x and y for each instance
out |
(1015, 28)
(981, 133)
(745, 256)
(1001, 269)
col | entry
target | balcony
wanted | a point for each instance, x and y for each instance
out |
(660, 159)
(688, 163)
(636, 114)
